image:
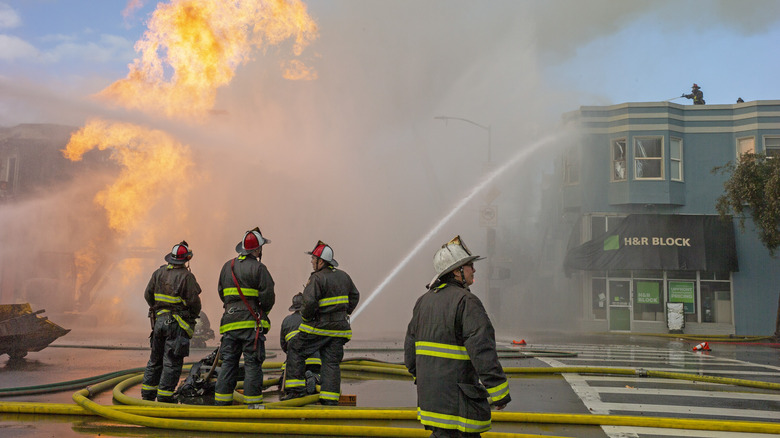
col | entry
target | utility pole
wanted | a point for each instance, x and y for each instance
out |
(487, 218)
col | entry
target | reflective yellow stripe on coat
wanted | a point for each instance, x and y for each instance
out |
(238, 325)
(332, 301)
(444, 421)
(447, 351)
(306, 328)
(232, 291)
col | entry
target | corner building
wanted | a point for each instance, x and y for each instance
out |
(638, 197)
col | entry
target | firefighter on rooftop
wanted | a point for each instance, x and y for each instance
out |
(696, 95)
(173, 296)
(450, 349)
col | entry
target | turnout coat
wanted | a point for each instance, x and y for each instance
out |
(328, 298)
(450, 349)
(257, 285)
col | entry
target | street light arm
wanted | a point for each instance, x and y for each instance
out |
(446, 118)
(486, 128)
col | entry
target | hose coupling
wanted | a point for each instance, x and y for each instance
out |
(641, 372)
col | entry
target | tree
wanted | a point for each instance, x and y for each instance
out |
(753, 187)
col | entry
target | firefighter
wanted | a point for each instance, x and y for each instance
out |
(696, 95)
(450, 349)
(289, 330)
(247, 291)
(329, 297)
(173, 296)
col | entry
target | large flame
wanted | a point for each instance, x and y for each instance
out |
(192, 47)
(151, 161)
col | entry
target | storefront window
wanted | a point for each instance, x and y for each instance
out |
(648, 300)
(716, 302)
(684, 291)
(599, 298)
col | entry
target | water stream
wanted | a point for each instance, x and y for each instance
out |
(485, 182)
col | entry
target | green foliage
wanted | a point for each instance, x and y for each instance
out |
(753, 187)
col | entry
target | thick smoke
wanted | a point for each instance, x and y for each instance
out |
(356, 157)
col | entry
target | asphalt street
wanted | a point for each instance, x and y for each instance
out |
(85, 355)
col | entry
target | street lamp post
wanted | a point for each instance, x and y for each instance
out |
(489, 230)
(486, 128)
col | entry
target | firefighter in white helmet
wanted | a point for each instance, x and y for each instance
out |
(450, 349)
(247, 290)
(329, 297)
(173, 296)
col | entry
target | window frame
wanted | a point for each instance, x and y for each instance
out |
(613, 161)
(738, 152)
(678, 161)
(775, 148)
(660, 159)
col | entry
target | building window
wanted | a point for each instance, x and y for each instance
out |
(599, 298)
(649, 298)
(648, 158)
(571, 167)
(619, 169)
(676, 159)
(772, 146)
(746, 145)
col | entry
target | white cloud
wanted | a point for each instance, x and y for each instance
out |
(109, 48)
(12, 47)
(8, 17)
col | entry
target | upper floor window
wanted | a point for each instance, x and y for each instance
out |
(571, 166)
(746, 145)
(676, 159)
(619, 169)
(772, 146)
(648, 158)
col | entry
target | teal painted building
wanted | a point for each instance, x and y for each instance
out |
(638, 197)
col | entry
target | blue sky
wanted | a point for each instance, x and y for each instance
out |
(583, 52)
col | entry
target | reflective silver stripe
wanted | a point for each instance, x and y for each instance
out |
(498, 392)
(294, 383)
(253, 399)
(167, 299)
(452, 422)
(290, 335)
(223, 397)
(332, 301)
(322, 332)
(325, 395)
(447, 351)
(148, 388)
(230, 291)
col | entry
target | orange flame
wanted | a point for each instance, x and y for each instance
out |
(152, 161)
(192, 47)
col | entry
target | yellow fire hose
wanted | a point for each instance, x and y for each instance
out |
(162, 415)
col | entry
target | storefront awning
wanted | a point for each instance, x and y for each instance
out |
(662, 242)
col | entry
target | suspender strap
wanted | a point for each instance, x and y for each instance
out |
(246, 303)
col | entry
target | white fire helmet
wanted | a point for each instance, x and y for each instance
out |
(451, 256)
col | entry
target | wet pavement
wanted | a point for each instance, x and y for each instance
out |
(82, 355)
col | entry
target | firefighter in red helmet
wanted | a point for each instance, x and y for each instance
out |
(247, 290)
(173, 296)
(329, 297)
(696, 94)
